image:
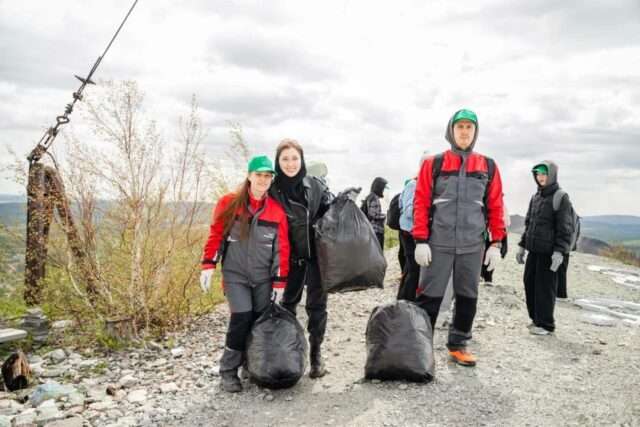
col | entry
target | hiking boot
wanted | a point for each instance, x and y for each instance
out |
(537, 330)
(317, 365)
(230, 381)
(244, 373)
(463, 357)
(229, 363)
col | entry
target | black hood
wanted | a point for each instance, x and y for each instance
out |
(449, 136)
(291, 186)
(378, 185)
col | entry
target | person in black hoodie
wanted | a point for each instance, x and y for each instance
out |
(305, 199)
(547, 237)
(373, 208)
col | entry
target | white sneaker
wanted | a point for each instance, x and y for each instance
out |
(537, 330)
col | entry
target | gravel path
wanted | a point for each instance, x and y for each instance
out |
(583, 375)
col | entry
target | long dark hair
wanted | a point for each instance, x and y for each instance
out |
(288, 143)
(239, 202)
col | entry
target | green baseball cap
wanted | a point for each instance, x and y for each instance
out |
(541, 169)
(261, 164)
(465, 115)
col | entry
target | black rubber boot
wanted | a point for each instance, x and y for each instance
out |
(229, 364)
(317, 366)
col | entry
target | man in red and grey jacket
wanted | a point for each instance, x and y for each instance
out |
(458, 199)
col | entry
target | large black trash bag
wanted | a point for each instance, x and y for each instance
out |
(349, 255)
(399, 343)
(276, 349)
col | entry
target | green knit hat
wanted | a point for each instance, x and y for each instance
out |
(261, 164)
(465, 115)
(541, 169)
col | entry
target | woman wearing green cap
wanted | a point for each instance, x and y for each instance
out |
(305, 199)
(249, 235)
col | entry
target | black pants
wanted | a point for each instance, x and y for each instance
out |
(307, 273)
(380, 237)
(401, 257)
(562, 277)
(540, 285)
(411, 270)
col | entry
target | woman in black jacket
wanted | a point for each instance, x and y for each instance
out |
(305, 199)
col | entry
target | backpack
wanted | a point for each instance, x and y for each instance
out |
(364, 206)
(393, 213)
(557, 200)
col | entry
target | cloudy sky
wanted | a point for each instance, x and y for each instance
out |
(365, 86)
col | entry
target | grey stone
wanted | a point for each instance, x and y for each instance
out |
(57, 356)
(9, 407)
(177, 352)
(48, 413)
(53, 373)
(128, 381)
(67, 422)
(102, 406)
(25, 417)
(137, 396)
(169, 388)
(50, 390)
(5, 421)
(62, 324)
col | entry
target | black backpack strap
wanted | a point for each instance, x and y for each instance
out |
(436, 167)
(491, 171)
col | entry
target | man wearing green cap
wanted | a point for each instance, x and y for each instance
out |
(548, 236)
(458, 199)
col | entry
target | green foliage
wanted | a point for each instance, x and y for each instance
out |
(390, 238)
(622, 254)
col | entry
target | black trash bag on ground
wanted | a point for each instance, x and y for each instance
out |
(276, 349)
(399, 343)
(349, 255)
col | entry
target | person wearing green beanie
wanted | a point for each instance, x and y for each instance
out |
(254, 256)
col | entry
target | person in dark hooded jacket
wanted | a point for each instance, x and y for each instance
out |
(547, 238)
(452, 210)
(305, 199)
(373, 208)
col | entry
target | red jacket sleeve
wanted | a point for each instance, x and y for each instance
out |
(495, 208)
(282, 254)
(216, 231)
(422, 202)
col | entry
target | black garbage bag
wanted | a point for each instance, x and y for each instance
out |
(349, 255)
(276, 349)
(399, 343)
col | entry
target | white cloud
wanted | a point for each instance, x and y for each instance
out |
(365, 86)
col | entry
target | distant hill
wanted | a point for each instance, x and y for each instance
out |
(599, 232)
(12, 198)
(13, 213)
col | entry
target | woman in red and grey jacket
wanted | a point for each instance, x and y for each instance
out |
(249, 235)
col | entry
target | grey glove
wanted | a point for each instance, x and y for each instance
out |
(556, 260)
(520, 255)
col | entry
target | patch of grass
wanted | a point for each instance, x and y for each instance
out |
(390, 238)
(622, 254)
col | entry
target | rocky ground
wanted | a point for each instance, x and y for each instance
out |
(585, 374)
